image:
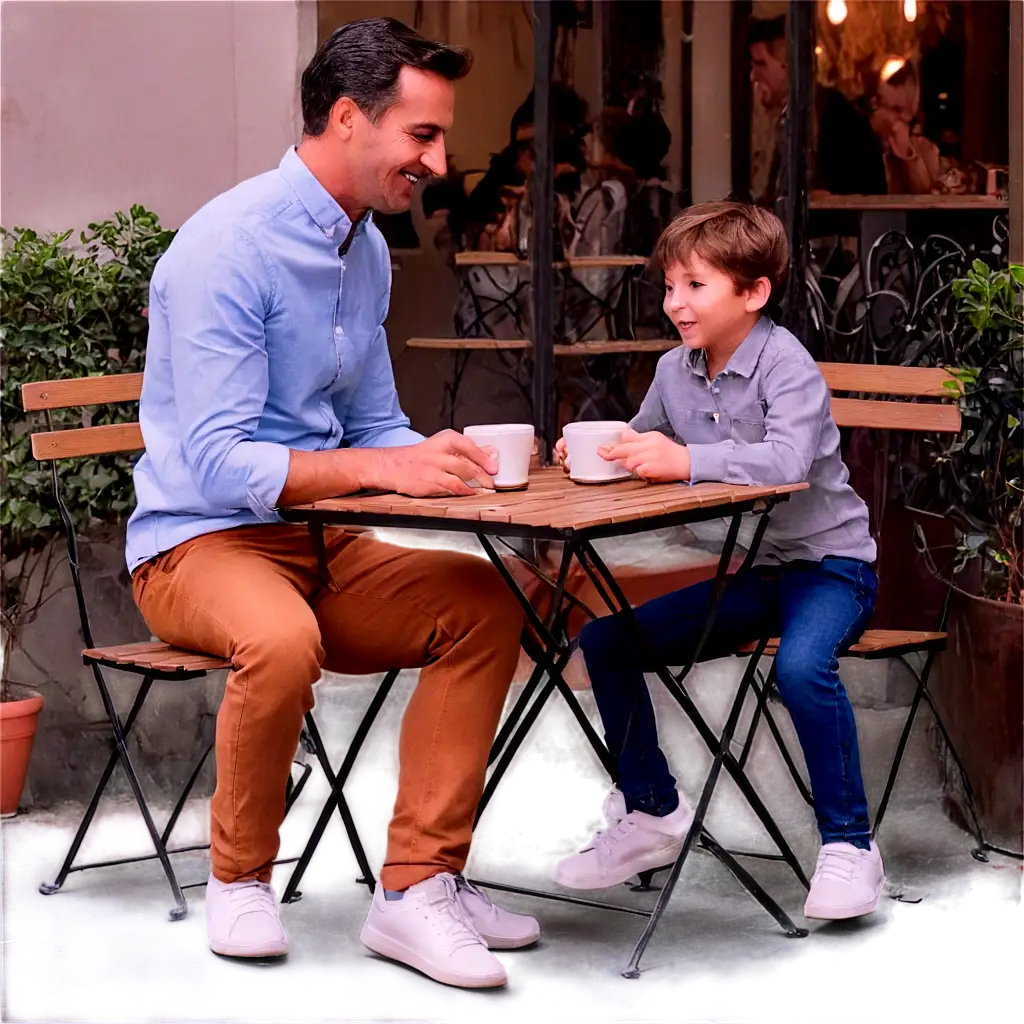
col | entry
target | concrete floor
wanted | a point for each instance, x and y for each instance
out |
(103, 949)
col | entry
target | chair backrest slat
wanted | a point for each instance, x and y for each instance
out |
(72, 444)
(911, 381)
(67, 394)
(933, 417)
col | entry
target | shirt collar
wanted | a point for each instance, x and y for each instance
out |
(744, 360)
(319, 203)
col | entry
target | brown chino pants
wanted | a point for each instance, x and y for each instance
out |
(253, 595)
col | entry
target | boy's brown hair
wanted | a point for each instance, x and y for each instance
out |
(745, 242)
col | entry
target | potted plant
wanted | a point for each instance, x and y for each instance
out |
(981, 483)
(65, 311)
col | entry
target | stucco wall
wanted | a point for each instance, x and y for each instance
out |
(163, 103)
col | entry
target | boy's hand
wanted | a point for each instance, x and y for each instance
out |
(652, 456)
(561, 454)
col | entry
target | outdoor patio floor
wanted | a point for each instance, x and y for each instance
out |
(103, 949)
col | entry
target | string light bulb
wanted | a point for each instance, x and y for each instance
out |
(890, 67)
(836, 11)
(910, 9)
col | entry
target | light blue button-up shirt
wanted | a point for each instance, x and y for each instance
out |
(261, 339)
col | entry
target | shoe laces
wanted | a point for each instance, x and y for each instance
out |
(604, 839)
(463, 884)
(449, 913)
(838, 863)
(253, 897)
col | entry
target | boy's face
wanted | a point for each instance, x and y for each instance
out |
(705, 307)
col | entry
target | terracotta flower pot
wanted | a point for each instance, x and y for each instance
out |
(18, 720)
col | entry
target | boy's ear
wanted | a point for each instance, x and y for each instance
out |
(758, 294)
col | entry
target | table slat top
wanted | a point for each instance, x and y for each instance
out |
(553, 501)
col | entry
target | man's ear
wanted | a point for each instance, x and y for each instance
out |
(758, 294)
(344, 117)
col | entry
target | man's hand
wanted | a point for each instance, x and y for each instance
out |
(561, 454)
(445, 464)
(652, 456)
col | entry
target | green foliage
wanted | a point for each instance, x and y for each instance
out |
(983, 469)
(66, 310)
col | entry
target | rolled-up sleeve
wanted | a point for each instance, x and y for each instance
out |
(797, 401)
(216, 316)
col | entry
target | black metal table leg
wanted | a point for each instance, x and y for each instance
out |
(336, 800)
(753, 887)
(719, 745)
(632, 969)
(601, 575)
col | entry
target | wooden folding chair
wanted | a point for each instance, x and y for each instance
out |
(154, 661)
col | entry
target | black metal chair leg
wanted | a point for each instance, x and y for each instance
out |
(294, 789)
(48, 888)
(983, 847)
(897, 760)
(291, 892)
(761, 693)
(180, 909)
(366, 877)
(180, 804)
(773, 728)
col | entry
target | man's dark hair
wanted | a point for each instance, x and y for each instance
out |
(766, 30)
(362, 60)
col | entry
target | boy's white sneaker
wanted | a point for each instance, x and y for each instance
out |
(242, 919)
(500, 929)
(847, 882)
(637, 842)
(429, 930)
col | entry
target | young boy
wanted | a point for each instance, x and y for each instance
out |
(741, 401)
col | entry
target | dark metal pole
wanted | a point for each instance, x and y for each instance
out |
(686, 198)
(541, 233)
(800, 41)
(740, 100)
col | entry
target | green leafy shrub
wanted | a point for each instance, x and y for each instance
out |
(982, 470)
(66, 310)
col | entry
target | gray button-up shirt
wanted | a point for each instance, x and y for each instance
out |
(765, 419)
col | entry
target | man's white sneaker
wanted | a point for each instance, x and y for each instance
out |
(242, 919)
(500, 929)
(639, 842)
(847, 882)
(429, 930)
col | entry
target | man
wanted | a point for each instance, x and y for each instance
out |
(268, 383)
(848, 158)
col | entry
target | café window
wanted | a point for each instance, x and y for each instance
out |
(910, 98)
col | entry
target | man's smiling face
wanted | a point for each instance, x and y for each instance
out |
(406, 143)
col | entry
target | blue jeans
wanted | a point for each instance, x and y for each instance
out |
(816, 608)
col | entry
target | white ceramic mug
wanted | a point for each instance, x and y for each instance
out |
(582, 439)
(513, 443)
